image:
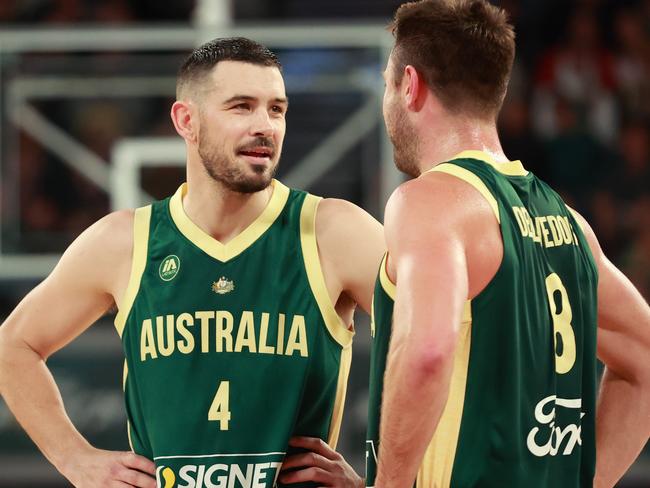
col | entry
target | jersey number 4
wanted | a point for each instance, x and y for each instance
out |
(219, 411)
(565, 355)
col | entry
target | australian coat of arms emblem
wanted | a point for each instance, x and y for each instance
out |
(223, 286)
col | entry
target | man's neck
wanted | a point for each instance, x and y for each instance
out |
(220, 212)
(455, 136)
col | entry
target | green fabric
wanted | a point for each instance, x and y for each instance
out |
(509, 435)
(269, 394)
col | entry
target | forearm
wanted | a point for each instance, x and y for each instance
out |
(32, 395)
(415, 394)
(622, 427)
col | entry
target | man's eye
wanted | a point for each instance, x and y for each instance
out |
(278, 109)
(243, 106)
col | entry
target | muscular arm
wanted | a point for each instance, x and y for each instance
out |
(440, 254)
(351, 245)
(79, 291)
(623, 413)
(425, 251)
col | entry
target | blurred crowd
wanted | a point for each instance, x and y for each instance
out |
(577, 113)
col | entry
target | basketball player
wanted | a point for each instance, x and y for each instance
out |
(496, 298)
(235, 299)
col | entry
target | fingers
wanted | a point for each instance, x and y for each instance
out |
(317, 475)
(136, 471)
(137, 479)
(315, 444)
(305, 459)
(141, 463)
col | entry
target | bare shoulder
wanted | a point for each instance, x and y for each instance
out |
(338, 220)
(447, 200)
(92, 272)
(350, 245)
(110, 235)
(439, 218)
(101, 256)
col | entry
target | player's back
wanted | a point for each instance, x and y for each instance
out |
(230, 348)
(521, 407)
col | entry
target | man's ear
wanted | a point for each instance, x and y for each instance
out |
(414, 87)
(185, 121)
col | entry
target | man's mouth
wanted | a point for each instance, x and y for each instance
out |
(259, 153)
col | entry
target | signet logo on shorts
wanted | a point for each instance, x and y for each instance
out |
(169, 267)
(165, 477)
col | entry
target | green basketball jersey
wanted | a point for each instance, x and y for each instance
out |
(522, 400)
(230, 348)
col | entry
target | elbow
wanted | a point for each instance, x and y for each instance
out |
(432, 360)
(15, 354)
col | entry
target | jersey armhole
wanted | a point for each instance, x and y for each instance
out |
(386, 283)
(574, 214)
(472, 179)
(335, 326)
(139, 260)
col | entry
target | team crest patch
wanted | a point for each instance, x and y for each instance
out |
(223, 286)
(169, 267)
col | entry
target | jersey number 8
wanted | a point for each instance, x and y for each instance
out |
(561, 315)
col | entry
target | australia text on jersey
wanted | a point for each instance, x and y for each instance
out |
(218, 331)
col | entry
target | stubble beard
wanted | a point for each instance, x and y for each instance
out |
(226, 171)
(405, 142)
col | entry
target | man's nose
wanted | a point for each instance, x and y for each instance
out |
(262, 125)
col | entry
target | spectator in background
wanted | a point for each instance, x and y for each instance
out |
(113, 12)
(636, 261)
(577, 161)
(8, 12)
(62, 11)
(632, 64)
(605, 217)
(518, 139)
(632, 190)
(40, 209)
(632, 177)
(582, 72)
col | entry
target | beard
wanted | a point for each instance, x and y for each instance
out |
(405, 143)
(235, 176)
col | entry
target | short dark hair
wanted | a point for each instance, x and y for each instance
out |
(464, 49)
(201, 61)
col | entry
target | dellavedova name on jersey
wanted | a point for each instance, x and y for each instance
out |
(220, 331)
(237, 475)
(548, 438)
(549, 230)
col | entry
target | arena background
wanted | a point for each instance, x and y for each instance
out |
(85, 91)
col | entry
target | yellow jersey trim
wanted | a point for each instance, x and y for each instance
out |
(372, 316)
(339, 402)
(128, 424)
(234, 247)
(141, 221)
(473, 180)
(575, 217)
(384, 279)
(337, 329)
(438, 462)
(510, 168)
